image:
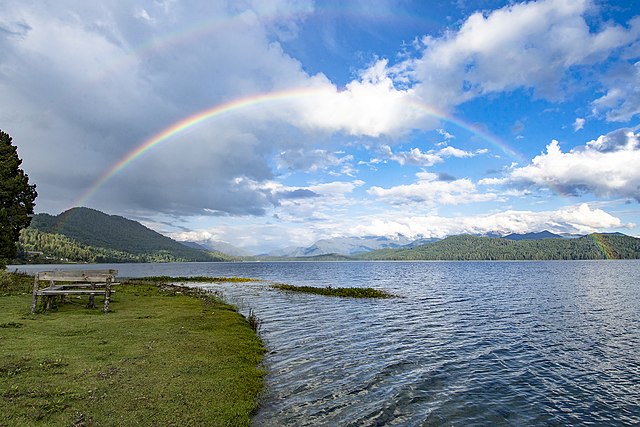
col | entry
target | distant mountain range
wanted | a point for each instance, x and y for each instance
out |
(352, 246)
(533, 236)
(88, 235)
(344, 246)
(542, 245)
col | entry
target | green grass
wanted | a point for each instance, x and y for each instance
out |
(164, 356)
(336, 292)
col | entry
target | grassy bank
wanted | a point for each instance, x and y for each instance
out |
(161, 357)
(200, 279)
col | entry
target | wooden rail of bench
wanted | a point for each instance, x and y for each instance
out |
(81, 282)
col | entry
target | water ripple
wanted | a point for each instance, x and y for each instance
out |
(467, 344)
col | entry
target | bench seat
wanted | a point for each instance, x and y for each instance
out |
(72, 292)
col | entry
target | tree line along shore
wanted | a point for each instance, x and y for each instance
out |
(83, 235)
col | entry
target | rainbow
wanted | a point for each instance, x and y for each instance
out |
(603, 246)
(184, 124)
(256, 100)
(475, 130)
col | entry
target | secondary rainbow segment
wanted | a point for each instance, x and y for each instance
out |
(219, 25)
(256, 100)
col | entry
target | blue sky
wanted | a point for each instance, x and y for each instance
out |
(412, 118)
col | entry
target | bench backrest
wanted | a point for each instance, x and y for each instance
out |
(95, 276)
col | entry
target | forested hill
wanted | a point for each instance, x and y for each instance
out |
(466, 247)
(88, 235)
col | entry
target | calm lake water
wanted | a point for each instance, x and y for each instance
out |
(466, 343)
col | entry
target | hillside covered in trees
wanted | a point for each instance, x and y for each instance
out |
(88, 235)
(466, 247)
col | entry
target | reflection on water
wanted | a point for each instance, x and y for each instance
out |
(467, 343)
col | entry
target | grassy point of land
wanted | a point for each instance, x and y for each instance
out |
(166, 356)
(335, 292)
(199, 279)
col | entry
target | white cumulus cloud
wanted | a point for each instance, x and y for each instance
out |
(371, 105)
(621, 102)
(417, 157)
(529, 45)
(430, 191)
(607, 166)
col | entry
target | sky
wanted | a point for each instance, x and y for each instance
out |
(275, 123)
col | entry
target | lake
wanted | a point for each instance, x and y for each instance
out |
(465, 343)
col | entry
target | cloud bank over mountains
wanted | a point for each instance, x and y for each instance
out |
(579, 219)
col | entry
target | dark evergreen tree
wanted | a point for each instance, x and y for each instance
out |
(17, 199)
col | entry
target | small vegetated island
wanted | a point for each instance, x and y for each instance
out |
(335, 292)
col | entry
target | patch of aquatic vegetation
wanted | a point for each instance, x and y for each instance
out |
(335, 292)
(198, 279)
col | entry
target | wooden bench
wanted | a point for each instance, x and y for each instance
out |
(81, 282)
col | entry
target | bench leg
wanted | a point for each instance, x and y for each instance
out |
(92, 298)
(34, 301)
(107, 296)
(49, 302)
